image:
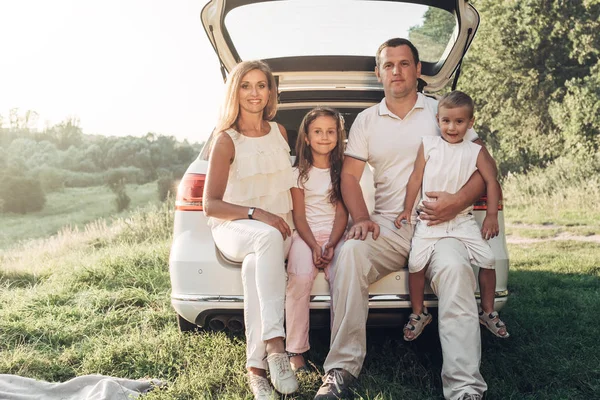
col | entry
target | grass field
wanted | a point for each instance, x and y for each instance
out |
(73, 207)
(96, 301)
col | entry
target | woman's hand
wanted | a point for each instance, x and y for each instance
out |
(274, 220)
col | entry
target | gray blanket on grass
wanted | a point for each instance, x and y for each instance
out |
(87, 387)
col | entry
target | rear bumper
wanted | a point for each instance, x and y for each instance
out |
(200, 308)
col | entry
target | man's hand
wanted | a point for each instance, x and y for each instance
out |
(444, 208)
(360, 230)
(402, 218)
(490, 228)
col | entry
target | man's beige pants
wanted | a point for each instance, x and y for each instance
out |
(451, 277)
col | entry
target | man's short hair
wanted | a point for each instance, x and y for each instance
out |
(457, 99)
(395, 42)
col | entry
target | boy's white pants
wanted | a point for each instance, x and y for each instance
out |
(451, 277)
(262, 251)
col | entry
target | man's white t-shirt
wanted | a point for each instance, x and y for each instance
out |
(390, 145)
(320, 213)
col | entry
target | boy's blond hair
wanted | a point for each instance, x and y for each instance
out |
(457, 99)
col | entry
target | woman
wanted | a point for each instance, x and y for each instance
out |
(247, 197)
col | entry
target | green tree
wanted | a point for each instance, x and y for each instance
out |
(432, 36)
(67, 133)
(526, 57)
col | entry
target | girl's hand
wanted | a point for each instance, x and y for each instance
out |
(316, 253)
(327, 256)
(490, 228)
(274, 220)
(402, 218)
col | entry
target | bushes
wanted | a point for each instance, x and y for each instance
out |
(21, 194)
(116, 180)
(51, 179)
(166, 187)
(569, 183)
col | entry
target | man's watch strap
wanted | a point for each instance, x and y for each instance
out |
(251, 212)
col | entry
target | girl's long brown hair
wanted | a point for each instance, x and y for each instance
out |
(304, 158)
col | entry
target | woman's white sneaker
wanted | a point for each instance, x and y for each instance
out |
(282, 376)
(260, 387)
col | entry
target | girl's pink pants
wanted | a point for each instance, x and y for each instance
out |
(301, 275)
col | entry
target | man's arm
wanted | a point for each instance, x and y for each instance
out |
(355, 203)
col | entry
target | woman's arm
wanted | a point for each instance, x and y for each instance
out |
(221, 157)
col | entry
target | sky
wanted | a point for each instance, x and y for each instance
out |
(129, 67)
(122, 67)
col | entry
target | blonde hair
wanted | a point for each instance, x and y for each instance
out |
(230, 110)
(457, 99)
(304, 157)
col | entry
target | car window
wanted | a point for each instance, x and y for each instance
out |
(337, 27)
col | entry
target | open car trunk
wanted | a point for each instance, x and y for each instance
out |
(315, 45)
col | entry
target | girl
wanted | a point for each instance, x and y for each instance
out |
(320, 218)
(247, 197)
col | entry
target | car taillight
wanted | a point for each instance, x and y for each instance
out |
(481, 204)
(189, 193)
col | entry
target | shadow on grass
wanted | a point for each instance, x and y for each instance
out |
(553, 351)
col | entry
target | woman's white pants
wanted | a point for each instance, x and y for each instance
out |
(262, 251)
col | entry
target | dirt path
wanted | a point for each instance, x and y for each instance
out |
(515, 239)
(511, 239)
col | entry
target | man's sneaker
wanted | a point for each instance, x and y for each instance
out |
(283, 378)
(261, 388)
(336, 385)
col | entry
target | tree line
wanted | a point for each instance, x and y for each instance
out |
(33, 163)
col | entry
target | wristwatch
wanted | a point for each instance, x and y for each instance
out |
(251, 212)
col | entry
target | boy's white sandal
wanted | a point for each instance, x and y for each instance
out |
(261, 388)
(416, 324)
(283, 377)
(493, 323)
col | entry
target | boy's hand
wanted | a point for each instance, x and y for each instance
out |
(490, 228)
(402, 218)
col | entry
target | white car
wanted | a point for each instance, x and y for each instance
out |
(322, 53)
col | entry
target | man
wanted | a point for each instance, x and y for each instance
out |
(388, 136)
